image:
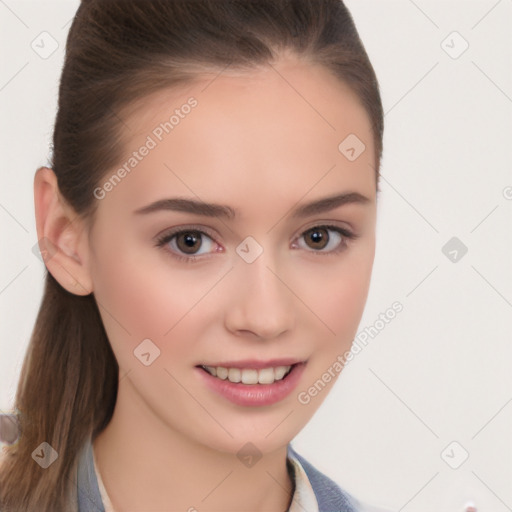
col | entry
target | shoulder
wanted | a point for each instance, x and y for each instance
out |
(330, 496)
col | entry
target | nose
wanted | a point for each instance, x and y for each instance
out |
(261, 304)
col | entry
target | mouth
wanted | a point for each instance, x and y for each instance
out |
(253, 383)
(249, 376)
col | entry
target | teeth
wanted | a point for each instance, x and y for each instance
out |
(222, 373)
(266, 376)
(234, 374)
(280, 372)
(249, 375)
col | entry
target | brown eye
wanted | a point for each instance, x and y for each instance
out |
(325, 239)
(189, 241)
(316, 238)
(187, 244)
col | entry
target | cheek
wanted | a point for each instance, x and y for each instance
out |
(338, 300)
(141, 301)
(337, 294)
(347, 300)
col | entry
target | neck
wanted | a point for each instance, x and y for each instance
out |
(146, 465)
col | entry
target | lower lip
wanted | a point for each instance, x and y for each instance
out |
(252, 395)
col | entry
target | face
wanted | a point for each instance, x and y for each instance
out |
(252, 274)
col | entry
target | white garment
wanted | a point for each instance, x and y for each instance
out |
(303, 498)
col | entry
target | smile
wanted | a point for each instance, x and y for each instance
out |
(249, 375)
(247, 386)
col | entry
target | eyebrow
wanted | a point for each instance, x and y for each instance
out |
(192, 206)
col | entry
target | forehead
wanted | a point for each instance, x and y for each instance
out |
(259, 131)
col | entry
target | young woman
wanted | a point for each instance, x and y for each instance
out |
(208, 229)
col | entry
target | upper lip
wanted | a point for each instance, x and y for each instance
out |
(255, 363)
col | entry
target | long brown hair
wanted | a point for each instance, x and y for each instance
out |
(117, 52)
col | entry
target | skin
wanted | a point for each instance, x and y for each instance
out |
(261, 142)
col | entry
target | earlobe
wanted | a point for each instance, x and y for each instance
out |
(61, 235)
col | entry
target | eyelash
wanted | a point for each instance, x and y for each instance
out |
(167, 237)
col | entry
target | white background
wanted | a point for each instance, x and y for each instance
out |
(440, 371)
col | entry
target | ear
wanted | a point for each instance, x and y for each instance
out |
(61, 235)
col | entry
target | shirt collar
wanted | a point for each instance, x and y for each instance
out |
(303, 497)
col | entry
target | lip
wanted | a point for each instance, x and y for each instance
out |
(254, 395)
